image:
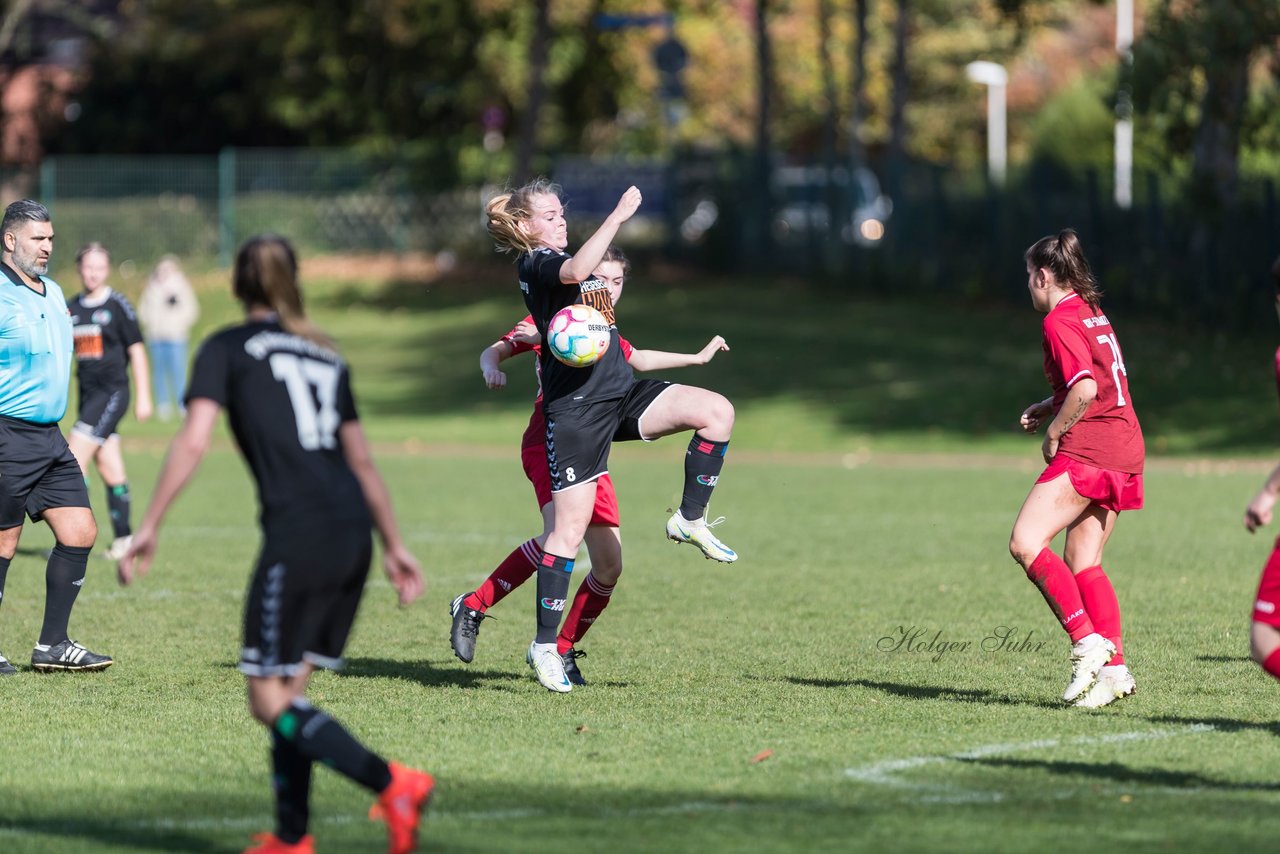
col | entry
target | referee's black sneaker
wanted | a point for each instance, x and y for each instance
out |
(571, 670)
(466, 625)
(68, 655)
(7, 669)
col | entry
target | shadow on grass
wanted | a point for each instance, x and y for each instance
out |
(1117, 773)
(1221, 724)
(427, 674)
(77, 827)
(928, 692)
(1225, 659)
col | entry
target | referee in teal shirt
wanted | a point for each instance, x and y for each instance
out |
(39, 476)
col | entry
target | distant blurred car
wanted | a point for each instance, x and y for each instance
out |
(803, 190)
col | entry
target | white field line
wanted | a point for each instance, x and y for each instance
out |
(885, 773)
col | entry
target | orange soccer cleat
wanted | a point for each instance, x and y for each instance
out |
(269, 843)
(401, 806)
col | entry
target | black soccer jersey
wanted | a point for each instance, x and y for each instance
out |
(103, 335)
(545, 294)
(285, 399)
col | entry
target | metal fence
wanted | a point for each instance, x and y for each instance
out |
(937, 232)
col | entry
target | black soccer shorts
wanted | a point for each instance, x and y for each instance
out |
(579, 438)
(101, 411)
(303, 598)
(37, 472)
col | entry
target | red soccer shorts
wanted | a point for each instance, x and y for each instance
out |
(534, 459)
(1266, 607)
(1110, 490)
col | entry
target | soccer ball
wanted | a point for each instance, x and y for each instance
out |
(578, 335)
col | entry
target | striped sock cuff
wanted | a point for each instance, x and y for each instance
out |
(597, 588)
(531, 550)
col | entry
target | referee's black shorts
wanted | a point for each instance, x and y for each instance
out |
(37, 472)
(303, 597)
(579, 438)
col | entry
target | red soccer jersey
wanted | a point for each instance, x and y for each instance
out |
(1079, 343)
(535, 433)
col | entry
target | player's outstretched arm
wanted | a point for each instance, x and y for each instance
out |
(1258, 513)
(660, 360)
(581, 265)
(401, 567)
(490, 358)
(180, 463)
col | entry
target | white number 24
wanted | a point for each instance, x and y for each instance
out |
(1117, 365)
(316, 416)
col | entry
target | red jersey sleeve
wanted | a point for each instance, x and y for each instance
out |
(1068, 356)
(518, 347)
(627, 349)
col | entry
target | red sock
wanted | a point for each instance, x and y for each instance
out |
(592, 598)
(514, 570)
(1049, 573)
(1272, 664)
(1100, 602)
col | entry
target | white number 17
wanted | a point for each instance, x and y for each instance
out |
(316, 417)
(1117, 366)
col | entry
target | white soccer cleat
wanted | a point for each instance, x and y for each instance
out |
(548, 666)
(698, 533)
(119, 547)
(1088, 655)
(1114, 682)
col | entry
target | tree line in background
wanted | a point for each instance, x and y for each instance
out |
(475, 90)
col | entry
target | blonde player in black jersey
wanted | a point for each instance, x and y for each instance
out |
(288, 399)
(588, 409)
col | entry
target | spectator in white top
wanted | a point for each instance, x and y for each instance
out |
(168, 308)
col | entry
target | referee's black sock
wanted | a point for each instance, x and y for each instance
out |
(702, 464)
(322, 739)
(553, 590)
(62, 579)
(119, 505)
(291, 780)
(4, 573)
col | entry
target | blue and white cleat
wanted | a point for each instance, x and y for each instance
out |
(698, 533)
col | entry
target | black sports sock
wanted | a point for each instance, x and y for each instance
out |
(62, 579)
(702, 464)
(4, 573)
(119, 503)
(553, 590)
(291, 780)
(322, 739)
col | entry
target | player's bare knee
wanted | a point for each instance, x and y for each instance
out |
(1264, 639)
(1023, 550)
(607, 571)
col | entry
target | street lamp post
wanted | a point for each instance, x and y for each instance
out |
(1124, 105)
(995, 78)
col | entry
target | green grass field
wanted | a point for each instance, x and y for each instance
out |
(870, 490)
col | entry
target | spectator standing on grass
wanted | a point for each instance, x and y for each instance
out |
(587, 409)
(168, 308)
(288, 398)
(1264, 633)
(1094, 450)
(39, 476)
(603, 537)
(108, 345)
